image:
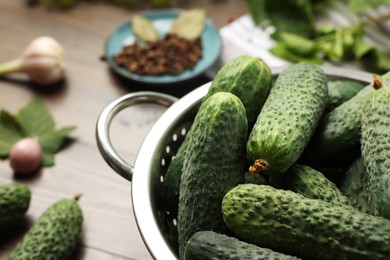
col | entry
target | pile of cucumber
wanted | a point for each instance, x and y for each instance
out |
(292, 167)
(53, 236)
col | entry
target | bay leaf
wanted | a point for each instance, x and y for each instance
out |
(143, 29)
(189, 24)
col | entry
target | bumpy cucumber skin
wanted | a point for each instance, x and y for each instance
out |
(288, 118)
(375, 143)
(334, 174)
(338, 133)
(55, 234)
(288, 222)
(249, 78)
(14, 203)
(255, 178)
(341, 91)
(209, 245)
(171, 185)
(312, 184)
(214, 163)
(354, 185)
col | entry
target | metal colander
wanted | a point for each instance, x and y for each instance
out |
(156, 225)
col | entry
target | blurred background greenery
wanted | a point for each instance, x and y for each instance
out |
(66, 4)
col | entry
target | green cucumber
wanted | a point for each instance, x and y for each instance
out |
(375, 145)
(354, 185)
(14, 203)
(334, 174)
(214, 162)
(312, 184)
(171, 184)
(255, 178)
(288, 119)
(209, 245)
(290, 223)
(340, 91)
(249, 78)
(336, 139)
(55, 234)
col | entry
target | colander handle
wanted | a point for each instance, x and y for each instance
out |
(103, 124)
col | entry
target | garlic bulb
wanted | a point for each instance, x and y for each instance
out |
(42, 60)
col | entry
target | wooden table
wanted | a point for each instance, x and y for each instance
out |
(109, 230)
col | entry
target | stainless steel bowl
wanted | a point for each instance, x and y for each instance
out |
(156, 225)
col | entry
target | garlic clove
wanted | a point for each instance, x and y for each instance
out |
(44, 46)
(42, 60)
(44, 70)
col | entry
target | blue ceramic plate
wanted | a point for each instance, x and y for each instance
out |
(162, 21)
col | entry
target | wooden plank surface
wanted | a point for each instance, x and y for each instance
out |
(109, 230)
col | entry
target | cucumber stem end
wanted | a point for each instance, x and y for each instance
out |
(259, 165)
(377, 82)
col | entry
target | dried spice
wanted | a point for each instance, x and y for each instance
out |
(169, 55)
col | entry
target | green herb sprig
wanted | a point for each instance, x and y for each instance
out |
(300, 39)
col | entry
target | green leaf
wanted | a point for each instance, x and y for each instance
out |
(161, 3)
(293, 16)
(325, 29)
(325, 41)
(189, 24)
(297, 44)
(35, 119)
(47, 159)
(10, 132)
(363, 6)
(321, 6)
(383, 60)
(282, 51)
(143, 29)
(337, 52)
(52, 142)
(257, 10)
(300, 39)
(343, 43)
(350, 36)
(362, 49)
